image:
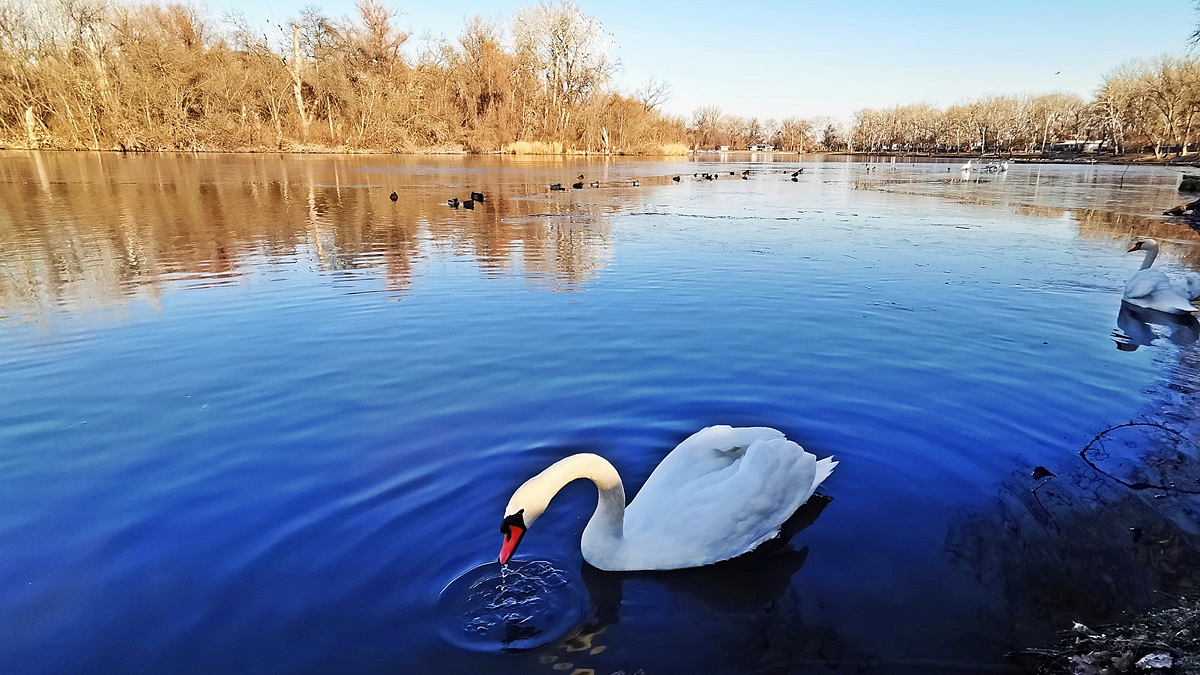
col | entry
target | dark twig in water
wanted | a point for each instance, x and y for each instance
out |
(1037, 499)
(1133, 486)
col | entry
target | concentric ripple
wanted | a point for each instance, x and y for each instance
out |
(522, 605)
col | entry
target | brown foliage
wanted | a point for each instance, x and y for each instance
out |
(86, 74)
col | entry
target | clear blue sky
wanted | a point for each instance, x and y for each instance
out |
(778, 59)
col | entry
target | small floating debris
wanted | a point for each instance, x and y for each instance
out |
(1040, 472)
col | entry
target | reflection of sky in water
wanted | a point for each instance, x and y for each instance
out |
(256, 416)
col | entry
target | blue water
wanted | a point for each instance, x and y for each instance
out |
(254, 416)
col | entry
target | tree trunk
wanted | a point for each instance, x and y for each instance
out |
(30, 126)
(298, 80)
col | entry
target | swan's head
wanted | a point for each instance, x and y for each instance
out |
(513, 527)
(1143, 245)
(526, 506)
(530, 500)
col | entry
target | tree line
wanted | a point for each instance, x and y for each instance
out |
(1141, 107)
(100, 74)
(103, 74)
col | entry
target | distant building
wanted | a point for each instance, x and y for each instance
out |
(1079, 146)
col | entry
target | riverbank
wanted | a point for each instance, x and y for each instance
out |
(1042, 158)
(655, 150)
(1165, 640)
(513, 149)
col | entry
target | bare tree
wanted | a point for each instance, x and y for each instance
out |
(653, 94)
(569, 52)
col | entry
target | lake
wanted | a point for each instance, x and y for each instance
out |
(256, 416)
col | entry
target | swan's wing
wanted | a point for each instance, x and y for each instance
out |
(1191, 285)
(1145, 283)
(708, 451)
(692, 519)
(1152, 289)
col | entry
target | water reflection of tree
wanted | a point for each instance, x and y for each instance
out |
(91, 231)
(1101, 538)
(1179, 241)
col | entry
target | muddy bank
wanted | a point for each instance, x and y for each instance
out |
(1165, 640)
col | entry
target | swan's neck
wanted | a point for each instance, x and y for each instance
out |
(535, 495)
(1151, 254)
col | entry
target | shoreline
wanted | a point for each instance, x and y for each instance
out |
(1062, 158)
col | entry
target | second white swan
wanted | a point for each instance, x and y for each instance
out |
(1153, 289)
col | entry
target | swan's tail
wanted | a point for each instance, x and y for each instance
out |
(1182, 307)
(824, 468)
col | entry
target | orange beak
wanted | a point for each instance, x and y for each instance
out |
(512, 538)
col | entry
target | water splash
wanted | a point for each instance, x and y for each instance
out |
(517, 606)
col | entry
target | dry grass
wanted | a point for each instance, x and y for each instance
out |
(532, 148)
(673, 149)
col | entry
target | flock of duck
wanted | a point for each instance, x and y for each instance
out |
(578, 184)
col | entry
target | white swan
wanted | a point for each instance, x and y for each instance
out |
(969, 166)
(1153, 289)
(718, 494)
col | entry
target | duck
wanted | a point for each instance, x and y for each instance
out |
(476, 196)
(1153, 289)
(468, 204)
(578, 185)
(556, 187)
(595, 183)
(676, 179)
(635, 182)
(452, 202)
(393, 196)
(720, 493)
